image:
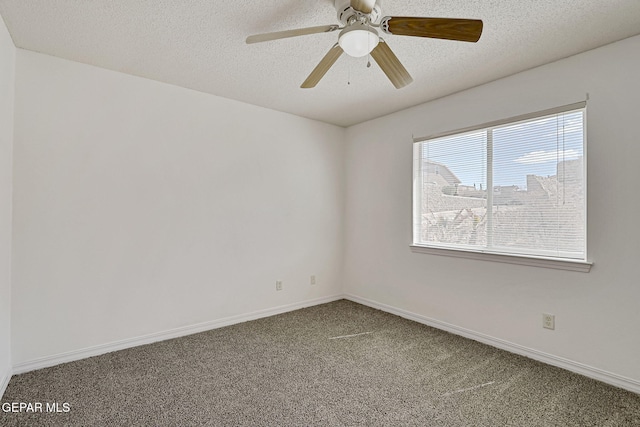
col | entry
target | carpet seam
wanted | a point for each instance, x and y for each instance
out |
(610, 378)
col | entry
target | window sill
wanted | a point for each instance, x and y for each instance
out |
(580, 266)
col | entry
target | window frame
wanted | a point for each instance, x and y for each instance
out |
(488, 255)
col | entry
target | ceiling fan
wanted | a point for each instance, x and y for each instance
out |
(359, 36)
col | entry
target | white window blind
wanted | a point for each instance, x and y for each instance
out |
(515, 188)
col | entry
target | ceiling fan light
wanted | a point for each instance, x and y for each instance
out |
(358, 40)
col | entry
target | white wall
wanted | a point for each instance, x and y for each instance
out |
(140, 207)
(597, 314)
(7, 67)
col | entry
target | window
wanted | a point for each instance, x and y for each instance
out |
(514, 188)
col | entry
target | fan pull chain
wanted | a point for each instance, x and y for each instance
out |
(368, 48)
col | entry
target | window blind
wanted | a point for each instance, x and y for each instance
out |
(515, 187)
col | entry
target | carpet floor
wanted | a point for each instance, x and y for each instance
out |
(336, 364)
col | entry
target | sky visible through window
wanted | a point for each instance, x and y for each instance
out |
(521, 149)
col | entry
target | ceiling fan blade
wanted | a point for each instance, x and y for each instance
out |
(364, 6)
(466, 30)
(390, 64)
(321, 69)
(257, 38)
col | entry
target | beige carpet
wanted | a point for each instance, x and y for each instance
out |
(337, 364)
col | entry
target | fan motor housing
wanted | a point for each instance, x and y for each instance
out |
(346, 12)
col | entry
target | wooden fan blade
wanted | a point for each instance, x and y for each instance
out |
(466, 30)
(364, 6)
(291, 33)
(321, 69)
(390, 64)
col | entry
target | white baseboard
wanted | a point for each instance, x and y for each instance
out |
(4, 382)
(570, 365)
(45, 362)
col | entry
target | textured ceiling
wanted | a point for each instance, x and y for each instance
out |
(200, 44)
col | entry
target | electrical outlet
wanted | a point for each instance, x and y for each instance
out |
(548, 321)
(278, 285)
(313, 279)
